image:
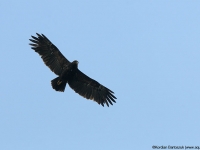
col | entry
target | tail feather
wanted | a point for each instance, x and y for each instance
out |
(58, 84)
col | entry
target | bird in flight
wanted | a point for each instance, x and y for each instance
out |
(68, 73)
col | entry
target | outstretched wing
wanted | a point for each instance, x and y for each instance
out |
(50, 54)
(91, 89)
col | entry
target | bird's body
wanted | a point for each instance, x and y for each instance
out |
(68, 73)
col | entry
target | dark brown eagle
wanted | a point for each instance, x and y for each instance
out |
(68, 72)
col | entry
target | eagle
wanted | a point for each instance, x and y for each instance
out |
(68, 73)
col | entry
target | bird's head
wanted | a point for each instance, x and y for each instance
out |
(75, 63)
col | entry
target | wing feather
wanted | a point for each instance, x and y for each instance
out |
(50, 54)
(91, 89)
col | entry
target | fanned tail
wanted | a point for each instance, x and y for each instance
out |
(58, 84)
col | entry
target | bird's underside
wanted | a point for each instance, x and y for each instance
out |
(68, 73)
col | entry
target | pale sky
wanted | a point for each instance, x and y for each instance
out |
(147, 52)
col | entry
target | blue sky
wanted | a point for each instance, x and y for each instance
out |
(147, 52)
